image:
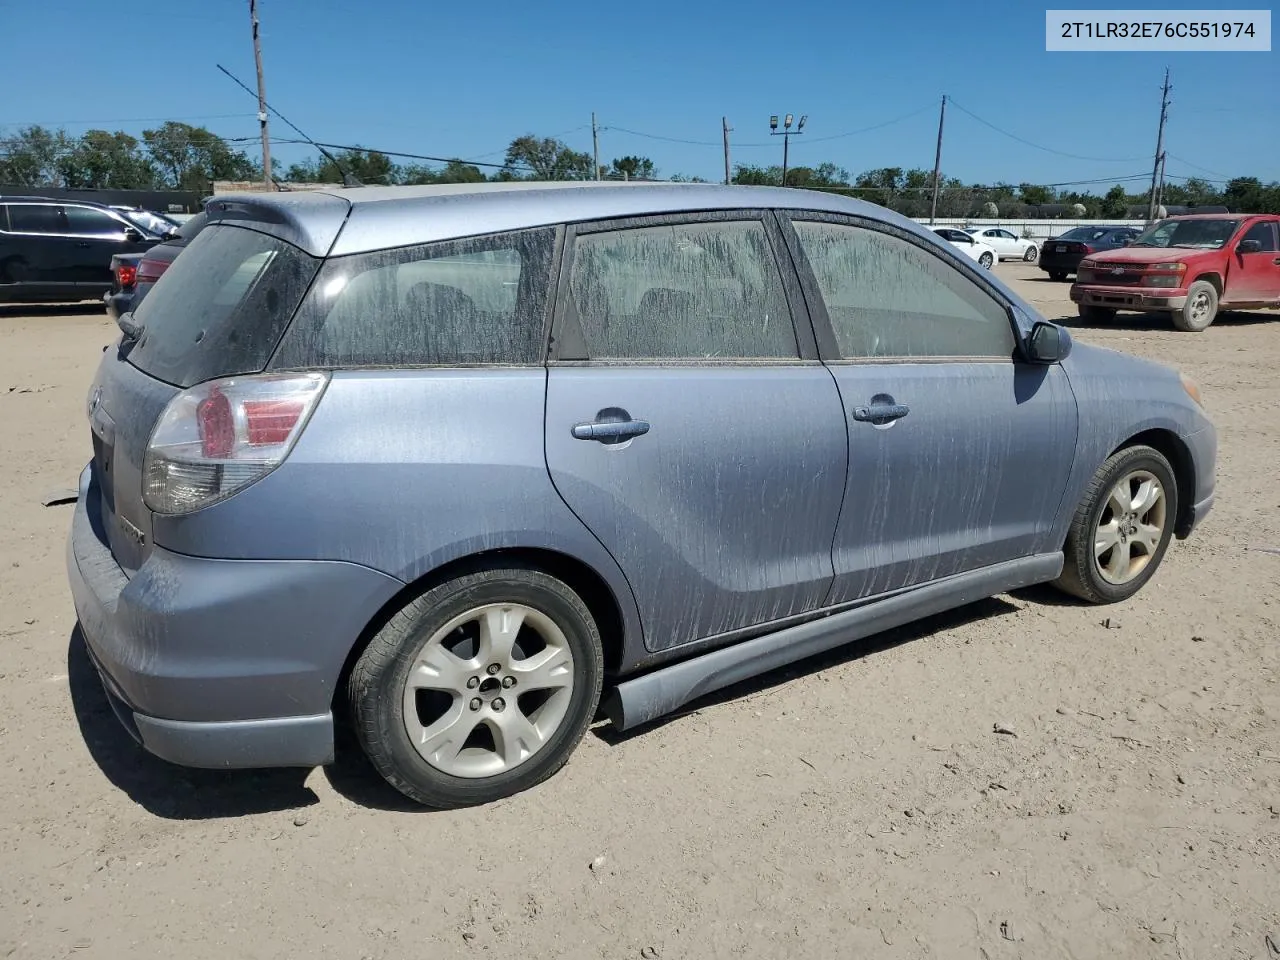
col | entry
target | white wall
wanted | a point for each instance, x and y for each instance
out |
(1036, 229)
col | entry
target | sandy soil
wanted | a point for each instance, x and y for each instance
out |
(858, 806)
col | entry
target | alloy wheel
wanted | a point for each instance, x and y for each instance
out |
(488, 690)
(1131, 527)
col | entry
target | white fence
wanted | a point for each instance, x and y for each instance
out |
(1031, 229)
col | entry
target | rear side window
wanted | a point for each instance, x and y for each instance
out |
(220, 308)
(36, 218)
(475, 301)
(702, 290)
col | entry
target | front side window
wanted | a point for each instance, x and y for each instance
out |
(887, 297)
(86, 222)
(476, 301)
(36, 218)
(701, 290)
(1265, 233)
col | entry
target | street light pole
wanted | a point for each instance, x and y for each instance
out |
(786, 133)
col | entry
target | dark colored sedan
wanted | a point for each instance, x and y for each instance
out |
(1062, 255)
(133, 274)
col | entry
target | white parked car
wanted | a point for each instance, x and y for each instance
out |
(982, 252)
(1007, 244)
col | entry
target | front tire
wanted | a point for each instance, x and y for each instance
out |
(985, 261)
(1121, 528)
(1199, 310)
(1096, 314)
(478, 689)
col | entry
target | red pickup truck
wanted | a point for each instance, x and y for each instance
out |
(1190, 267)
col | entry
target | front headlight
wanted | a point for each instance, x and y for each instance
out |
(1169, 267)
(1192, 388)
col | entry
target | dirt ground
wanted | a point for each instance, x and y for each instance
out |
(857, 806)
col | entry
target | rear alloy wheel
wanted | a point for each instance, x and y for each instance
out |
(1096, 314)
(478, 689)
(985, 261)
(1122, 527)
(1199, 310)
(1031, 255)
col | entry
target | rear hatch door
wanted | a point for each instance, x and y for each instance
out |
(218, 311)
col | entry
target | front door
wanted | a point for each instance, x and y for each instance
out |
(1255, 277)
(690, 425)
(958, 452)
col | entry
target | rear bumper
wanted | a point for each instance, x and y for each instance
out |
(219, 663)
(1128, 298)
(118, 302)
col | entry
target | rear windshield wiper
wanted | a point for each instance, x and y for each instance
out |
(132, 329)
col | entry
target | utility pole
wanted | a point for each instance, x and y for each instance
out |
(595, 144)
(262, 97)
(937, 162)
(728, 176)
(1155, 170)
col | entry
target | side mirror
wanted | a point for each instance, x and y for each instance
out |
(133, 235)
(1048, 343)
(1248, 246)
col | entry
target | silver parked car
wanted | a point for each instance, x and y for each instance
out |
(455, 461)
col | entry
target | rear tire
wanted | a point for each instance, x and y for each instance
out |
(1121, 528)
(1096, 314)
(1199, 310)
(985, 261)
(478, 689)
(1057, 276)
(1031, 255)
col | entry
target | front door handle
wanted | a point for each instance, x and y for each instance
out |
(610, 431)
(880, 413)
(84, 244)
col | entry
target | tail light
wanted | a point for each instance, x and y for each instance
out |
(217, 438)
(126, 274)
(1087, 249)
(149, 271)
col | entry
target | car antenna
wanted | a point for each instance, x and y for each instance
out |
(349, 179)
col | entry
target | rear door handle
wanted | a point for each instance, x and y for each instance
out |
(611, 431)
(881, 412)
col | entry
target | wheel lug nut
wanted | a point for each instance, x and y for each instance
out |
(508, 682)
(473, 682)
(493, 668)
(476, 703)
(499, 703)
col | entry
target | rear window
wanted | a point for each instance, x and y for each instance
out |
(475, 301)
(220, 308)
(1083, 233)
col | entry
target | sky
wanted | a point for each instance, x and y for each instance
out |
(463, 79)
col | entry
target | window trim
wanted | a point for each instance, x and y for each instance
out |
(567, 345)
(828, 346)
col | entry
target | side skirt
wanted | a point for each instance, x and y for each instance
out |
(650, 696)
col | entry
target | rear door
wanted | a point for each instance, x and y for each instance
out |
(39, 253)
(1255, 277)
(689, 423)
(958, 452)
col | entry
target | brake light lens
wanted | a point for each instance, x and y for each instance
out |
(127, 274)
(219, 437)
(149, 271)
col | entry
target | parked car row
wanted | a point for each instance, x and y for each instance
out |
(55, 251)
(458, 462)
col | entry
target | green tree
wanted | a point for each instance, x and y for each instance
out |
(107, 161)
(545, 158)
(455, 171)
(1115, 204)
(685, 178)
(753, 176)
(30, 157)
(632, 168)
(368, 166)
(188, 157)
(1035, 195)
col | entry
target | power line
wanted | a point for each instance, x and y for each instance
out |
(1196, 166)
(54, 123)
(874, 126)
(1037, 146)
